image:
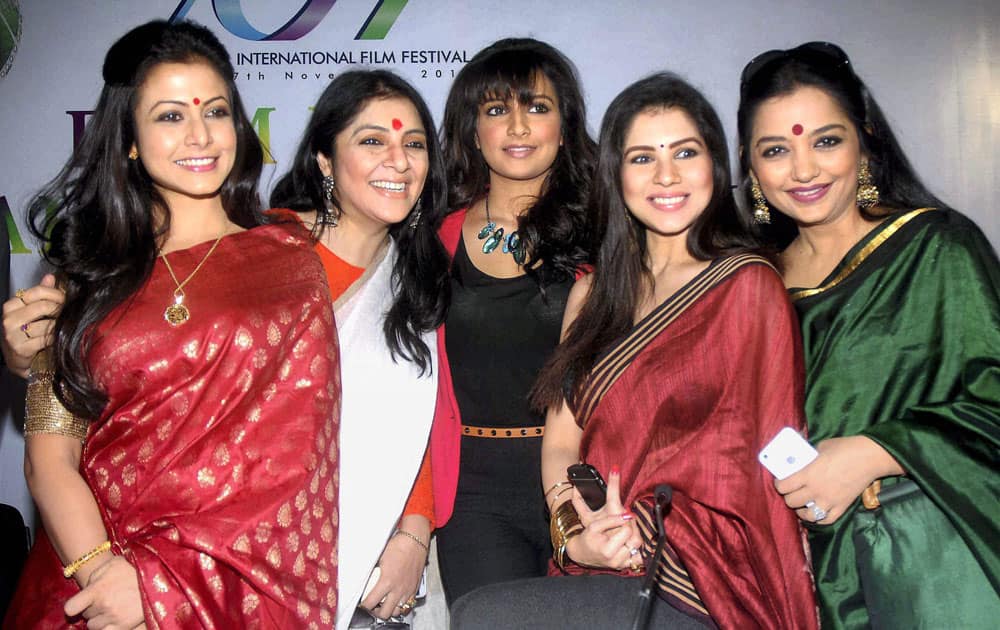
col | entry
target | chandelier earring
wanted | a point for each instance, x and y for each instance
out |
(327, 217)
(761, 211)
(867, 191)
(415, 215)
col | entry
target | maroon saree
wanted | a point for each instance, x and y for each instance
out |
(215, 462)
(689, 398)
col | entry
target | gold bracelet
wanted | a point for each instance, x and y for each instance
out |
(556, 485)
(560, 493)
(71, 568)
(564, 525)
(413, 538)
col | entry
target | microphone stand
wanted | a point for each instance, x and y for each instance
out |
(663, 495)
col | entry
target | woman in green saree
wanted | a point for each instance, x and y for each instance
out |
(899, 301)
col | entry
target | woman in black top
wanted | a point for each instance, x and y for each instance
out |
(520, 161)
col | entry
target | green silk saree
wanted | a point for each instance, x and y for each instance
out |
(902, 345)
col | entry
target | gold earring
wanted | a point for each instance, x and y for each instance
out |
(867, 191)
(761, 211)
(133, 154)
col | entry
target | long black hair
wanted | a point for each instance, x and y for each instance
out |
(827, 67)
(420, 274)
(622, 276)
(98, 217)
(557, 228)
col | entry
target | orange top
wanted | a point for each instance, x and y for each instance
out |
(341, 275)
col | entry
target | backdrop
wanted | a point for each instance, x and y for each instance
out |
(933, 66)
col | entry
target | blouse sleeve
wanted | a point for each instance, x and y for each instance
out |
(421, 499)
(44, 413)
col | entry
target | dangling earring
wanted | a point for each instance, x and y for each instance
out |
(415, 215)
(867, 191)
(328, 185)
(761, 211)
(133, 154)
(328, 218)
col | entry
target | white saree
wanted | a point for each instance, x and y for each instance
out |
(385, 422)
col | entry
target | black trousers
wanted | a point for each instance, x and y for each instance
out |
(595, 602)
(485, 546)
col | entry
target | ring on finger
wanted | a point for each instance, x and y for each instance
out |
(405, 607)
(19, 294)
(635, 560)
(818, 513)
(24, 329)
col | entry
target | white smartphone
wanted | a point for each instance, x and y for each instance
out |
(787, 453)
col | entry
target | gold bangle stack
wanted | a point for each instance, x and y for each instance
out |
(70, 569)
(564, 525)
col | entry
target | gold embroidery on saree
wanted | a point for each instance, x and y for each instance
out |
(862, 255)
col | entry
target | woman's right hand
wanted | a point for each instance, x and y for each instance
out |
(111, 598)
(609, 535)
(35, 310)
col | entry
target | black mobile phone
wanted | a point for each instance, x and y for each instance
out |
(589, 483)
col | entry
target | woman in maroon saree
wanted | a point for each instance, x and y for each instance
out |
(680, 361)
(187, 473)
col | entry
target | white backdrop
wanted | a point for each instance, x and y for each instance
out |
(933, 66)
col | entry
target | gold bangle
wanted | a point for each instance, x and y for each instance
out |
(558, 494)
(556, 485)
(71, 568)
(413, 538)
(564, 525)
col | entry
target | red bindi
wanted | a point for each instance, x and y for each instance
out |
(197, 101)
(397, 124)
(797, 129)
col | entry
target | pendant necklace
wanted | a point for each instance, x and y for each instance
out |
(494, 236)
(177, 313)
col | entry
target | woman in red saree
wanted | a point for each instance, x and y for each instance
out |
(182, 442)
(680, 361)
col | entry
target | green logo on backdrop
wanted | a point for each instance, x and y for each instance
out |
(10, 34)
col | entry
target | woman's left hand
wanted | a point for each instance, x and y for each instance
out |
(402, 565)
(111, 598)
(844, 468)
(609, 534)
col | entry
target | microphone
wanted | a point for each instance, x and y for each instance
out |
(662, 495)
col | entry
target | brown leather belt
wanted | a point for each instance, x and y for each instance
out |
(502, 432)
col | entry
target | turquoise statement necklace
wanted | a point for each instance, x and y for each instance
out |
(494, 236)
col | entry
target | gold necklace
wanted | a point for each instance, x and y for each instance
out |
(177, 313)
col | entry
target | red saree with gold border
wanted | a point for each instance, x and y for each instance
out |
(215, 462)
(689, 398)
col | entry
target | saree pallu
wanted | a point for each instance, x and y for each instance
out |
(385, 423)
(689, 398)
(902, 345)
(214, 463)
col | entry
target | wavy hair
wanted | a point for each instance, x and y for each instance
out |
(97, 216)
(556, 229)
(827, 67)
(622, 276)
(420, 273)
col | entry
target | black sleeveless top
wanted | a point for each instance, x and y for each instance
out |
(500, 331)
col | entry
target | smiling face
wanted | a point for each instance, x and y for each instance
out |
(805, 153)
(520, 141)
(666, 171)
(379, 163)
(184, 131)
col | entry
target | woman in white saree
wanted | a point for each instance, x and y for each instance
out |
(367, 180)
